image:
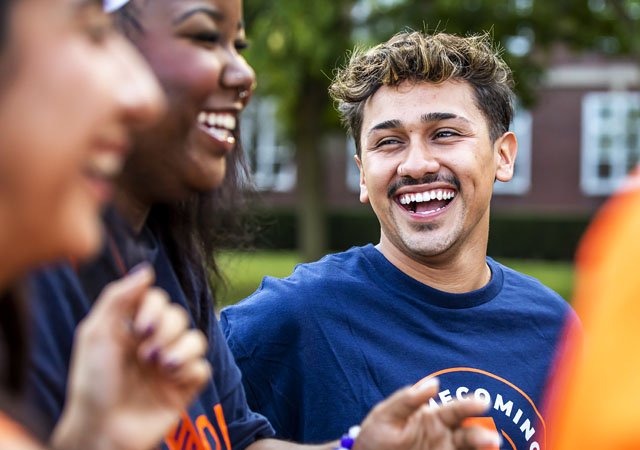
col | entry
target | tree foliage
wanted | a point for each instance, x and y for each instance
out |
(296, 45)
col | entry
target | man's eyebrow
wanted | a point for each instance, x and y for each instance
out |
(438, 116)
(215, 15)
(387, 124)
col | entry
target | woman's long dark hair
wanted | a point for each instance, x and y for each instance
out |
(14, 350)
(4, 15)
(193, 230)
(13, 346)
(13, 342)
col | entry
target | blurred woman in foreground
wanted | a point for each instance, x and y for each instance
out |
(70, 91)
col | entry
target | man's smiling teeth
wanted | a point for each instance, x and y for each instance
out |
(437, 194)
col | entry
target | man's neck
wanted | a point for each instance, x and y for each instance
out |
(456, 272)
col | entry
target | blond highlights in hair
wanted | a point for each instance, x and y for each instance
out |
(432, 58)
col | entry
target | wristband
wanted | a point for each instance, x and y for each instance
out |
(347, 440)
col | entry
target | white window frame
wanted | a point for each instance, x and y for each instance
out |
(271, 160)
(522, 126)
(353, 173)
(595, 128)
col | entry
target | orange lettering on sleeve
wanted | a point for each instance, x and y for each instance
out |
(222, 424)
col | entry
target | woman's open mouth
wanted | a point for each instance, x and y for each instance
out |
(219, 125)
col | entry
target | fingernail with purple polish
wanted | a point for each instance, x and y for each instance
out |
(138, 268)
(153, 355)
(171, 365)
(148, 331)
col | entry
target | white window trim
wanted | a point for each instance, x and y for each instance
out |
(522, 126)
(590, 183)
(353, 172)
(259, 122)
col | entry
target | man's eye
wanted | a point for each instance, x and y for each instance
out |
(387, 142)
(445, 134)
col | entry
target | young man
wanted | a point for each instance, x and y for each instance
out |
(430, 117)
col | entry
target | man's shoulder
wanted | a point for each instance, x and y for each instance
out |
(316, 277)
(281, 303)
(531, 289)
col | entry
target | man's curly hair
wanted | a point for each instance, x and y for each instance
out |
(432, 58)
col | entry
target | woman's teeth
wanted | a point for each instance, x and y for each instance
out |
(106, 164)
(218, 120)
(219, 125)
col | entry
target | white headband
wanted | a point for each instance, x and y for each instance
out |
(113, 5)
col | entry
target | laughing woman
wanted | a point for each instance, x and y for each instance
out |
(71, 88)
(174, 203)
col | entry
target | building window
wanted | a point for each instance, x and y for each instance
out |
(521, 180)
(269, 156)
(353, 173)
(518, 185)
(610, 140)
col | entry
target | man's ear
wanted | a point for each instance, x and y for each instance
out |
(507, 148)
(364, 193)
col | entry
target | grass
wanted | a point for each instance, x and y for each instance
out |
(244, 272)
(558, 275)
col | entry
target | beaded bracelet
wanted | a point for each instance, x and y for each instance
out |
(348, 438)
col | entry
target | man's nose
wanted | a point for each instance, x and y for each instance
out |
(419, 160)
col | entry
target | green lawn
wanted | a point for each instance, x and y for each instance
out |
(245, 271)
(558, 275)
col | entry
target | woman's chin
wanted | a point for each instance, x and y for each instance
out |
(85, 243)
(209, 183)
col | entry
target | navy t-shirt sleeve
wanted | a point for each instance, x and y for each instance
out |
(53, 293)
(244, 425)
(250, 337)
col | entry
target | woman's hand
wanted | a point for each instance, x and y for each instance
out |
(135, 366)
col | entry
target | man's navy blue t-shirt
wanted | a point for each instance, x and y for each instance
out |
(320, 348)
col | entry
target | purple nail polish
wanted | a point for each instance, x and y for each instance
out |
(153, 355)
(171, 365)
(138, 267)
(148, 331)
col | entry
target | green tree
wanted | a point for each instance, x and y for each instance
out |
(527, 29)
(296, 44)
(294, 47)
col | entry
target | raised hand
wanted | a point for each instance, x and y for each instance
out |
(135, 367)
(404, 421)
